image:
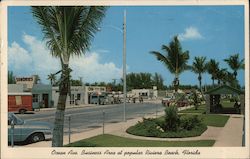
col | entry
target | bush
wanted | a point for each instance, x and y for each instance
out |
(152, 128)
(190, 122)
(172, 119)
(148, 127)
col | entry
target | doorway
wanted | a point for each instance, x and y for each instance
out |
(46, 100)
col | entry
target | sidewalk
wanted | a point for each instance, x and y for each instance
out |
(228, 136)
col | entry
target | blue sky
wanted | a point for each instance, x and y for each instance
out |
(212, 31)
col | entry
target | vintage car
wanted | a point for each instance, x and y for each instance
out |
(28, 131)
(167, 101)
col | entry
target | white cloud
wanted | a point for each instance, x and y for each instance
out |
(90, 68)
(36, 59)
(191, 33)
(18, 58)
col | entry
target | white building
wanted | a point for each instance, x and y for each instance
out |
(77, 94)
(145, 93)
(92, 89)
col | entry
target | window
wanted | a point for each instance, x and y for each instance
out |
(35, 98)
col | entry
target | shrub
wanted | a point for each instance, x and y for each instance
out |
(190, 122)
(148, 127)
(172, 119)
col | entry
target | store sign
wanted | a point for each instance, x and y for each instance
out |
(24, 79)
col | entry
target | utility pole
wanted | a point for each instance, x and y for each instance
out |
(124, 67)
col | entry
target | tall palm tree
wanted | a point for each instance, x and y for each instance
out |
(174, 59)
(213, 68)
(235, 63)
(199, 67)
(52, 78)
(68, 32)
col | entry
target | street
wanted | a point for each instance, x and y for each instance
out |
(85, 118)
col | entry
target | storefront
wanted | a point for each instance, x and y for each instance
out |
(76, 96)
(42, 96)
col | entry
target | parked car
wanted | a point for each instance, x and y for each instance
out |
(166, 101)
(28, 131)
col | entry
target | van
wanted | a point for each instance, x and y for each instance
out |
(20, 102)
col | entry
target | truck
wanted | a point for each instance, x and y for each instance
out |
(20, 102)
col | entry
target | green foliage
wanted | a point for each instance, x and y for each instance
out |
(188, 122)
(144, 80)
(148, 127)
(235, 63)
(174, 58)
(195, 99)
(212, 68)
(200, 110)
(52, 78)
(199, 66)
(76, 82)
(153, 128)
(11, 78)
(172, 119)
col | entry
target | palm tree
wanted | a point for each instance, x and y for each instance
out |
(52, 78)
(68, 32)
(213, 68)
(174, 59)
(235, 63)
(37, 79)
(221, 75)
(199, 67)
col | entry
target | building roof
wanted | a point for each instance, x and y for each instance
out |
(17, 88)
(41, 87)
(224, 89)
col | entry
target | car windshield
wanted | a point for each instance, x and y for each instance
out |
(16, 119)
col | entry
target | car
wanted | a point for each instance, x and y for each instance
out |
(28, 131)
(166, 101)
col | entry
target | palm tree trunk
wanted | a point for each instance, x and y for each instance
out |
(57, 140)
(199, 78)
(213, 81)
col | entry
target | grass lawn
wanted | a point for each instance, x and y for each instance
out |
(209, 119)
(215, 120)
(201, 109)
(107, 140)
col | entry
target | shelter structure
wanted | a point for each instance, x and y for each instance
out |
(213, 98)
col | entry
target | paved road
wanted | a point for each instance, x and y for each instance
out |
(86, 118)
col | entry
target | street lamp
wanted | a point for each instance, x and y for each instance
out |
(124, 62)
(124, 67)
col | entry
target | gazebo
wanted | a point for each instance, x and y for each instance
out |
(213, 97)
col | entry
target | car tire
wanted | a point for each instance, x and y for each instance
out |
(22, 111)
(36, 137)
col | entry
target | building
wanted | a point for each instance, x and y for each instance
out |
(76, 96)
(145, 93)
(42, 96)
(41, 93)
(89, 90)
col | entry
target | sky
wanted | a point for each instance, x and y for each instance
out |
(212, 31)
